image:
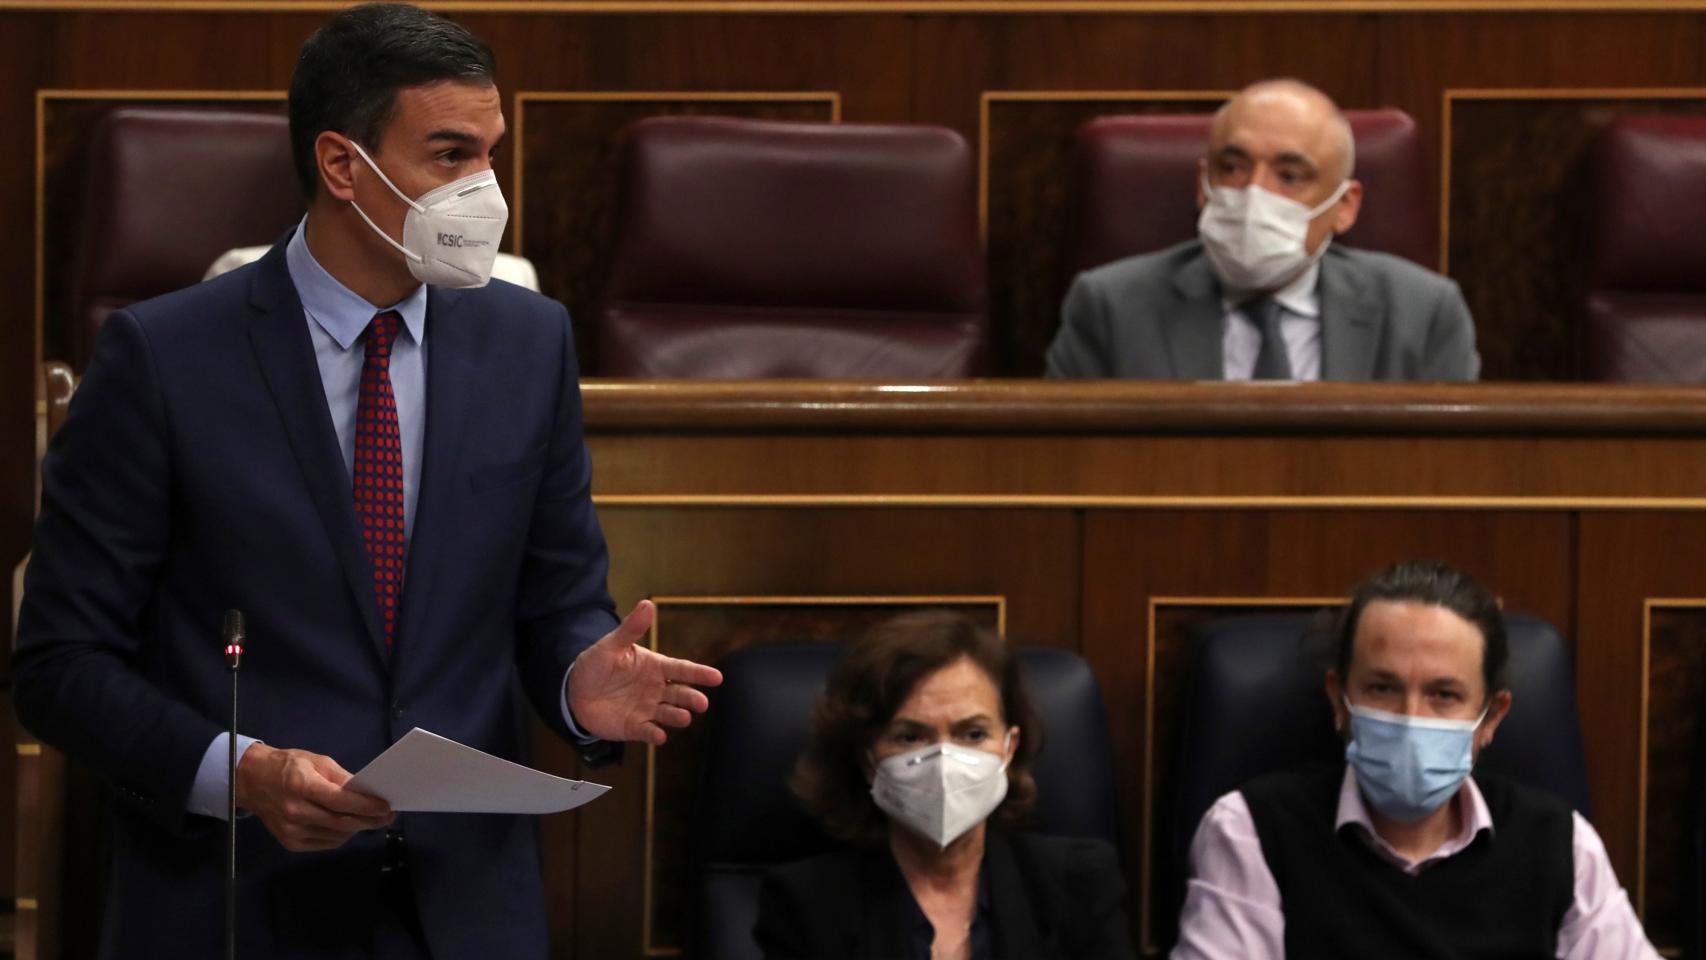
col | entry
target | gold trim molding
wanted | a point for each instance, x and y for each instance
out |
(796, 7)
(649, 879)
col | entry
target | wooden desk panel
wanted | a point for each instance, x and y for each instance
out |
(1108, 517)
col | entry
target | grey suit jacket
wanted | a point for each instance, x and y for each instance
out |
(1159, 317)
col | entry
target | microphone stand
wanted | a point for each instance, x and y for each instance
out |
(233, 659)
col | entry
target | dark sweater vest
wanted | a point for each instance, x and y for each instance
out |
(1502, 897)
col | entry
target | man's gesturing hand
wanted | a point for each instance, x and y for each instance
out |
(621, 690)
(301, 799)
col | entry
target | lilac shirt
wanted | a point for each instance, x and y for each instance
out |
(1233, 908)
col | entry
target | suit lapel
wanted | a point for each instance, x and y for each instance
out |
(1352, 318)
(285, 353)
(450, 345)
(1196, 323)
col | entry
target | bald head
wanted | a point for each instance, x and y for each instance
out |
(1289, 139)
(1306, 119)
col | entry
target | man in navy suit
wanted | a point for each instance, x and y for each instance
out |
(381, 463)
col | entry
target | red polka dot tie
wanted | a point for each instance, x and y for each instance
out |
(379, 470)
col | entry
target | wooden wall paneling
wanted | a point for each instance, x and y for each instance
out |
(959, 57)
(1421, 56)
(1154, 471)
(1513, 166)
(39, 802)
(1029, 557)
(40, 795)
(1424, 56)
(566, 171)
(1674, 637)
(933, 67)
(1634, 688)
(24, 54)
(1134, 559)
(866, 58)
(707, 629)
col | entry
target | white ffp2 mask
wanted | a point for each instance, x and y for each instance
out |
(940, 791)
(1256, 239)
(450, 234)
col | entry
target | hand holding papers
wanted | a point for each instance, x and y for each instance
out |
(427, 773)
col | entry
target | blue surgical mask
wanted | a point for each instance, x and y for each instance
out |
(1408, 767)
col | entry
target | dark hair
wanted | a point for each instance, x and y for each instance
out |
(866, 688)
(1437, 584)
(350, 70)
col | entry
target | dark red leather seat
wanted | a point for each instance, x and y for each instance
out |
(749, 249)
(1643, 306)
(1134, 187)
(167, 190)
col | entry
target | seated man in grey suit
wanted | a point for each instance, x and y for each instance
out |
(1263, 293)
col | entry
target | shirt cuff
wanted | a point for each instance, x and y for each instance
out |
(208, 792)
(582, 738)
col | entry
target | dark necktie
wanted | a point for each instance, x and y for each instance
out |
(379, 470)
(1272, 363)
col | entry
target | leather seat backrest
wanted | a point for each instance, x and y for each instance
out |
(753, 248)
(166, 191)
(1643, 308)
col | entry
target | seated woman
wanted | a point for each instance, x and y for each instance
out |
(920, 760)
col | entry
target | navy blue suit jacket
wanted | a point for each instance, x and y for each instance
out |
(199, 471)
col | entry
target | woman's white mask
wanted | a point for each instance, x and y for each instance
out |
(941, 791)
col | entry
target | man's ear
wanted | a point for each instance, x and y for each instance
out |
(1497, 709)
(1202, 178)
(1345, 214)
(335, 161)
(1336, 697)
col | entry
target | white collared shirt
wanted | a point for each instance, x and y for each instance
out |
(1300, 326)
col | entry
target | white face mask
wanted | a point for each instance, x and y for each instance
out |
(941, 791)
(451, 234)
(1256, 240)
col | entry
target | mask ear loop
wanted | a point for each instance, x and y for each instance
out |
(1006, 748)
(405, 251)
(1327, 204)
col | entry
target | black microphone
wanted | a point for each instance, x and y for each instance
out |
(234, 637)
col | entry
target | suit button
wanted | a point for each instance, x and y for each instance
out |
(396, 710)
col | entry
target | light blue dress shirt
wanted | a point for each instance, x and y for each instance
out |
(336, 317)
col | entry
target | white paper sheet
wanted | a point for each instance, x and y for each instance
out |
(427, 773)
